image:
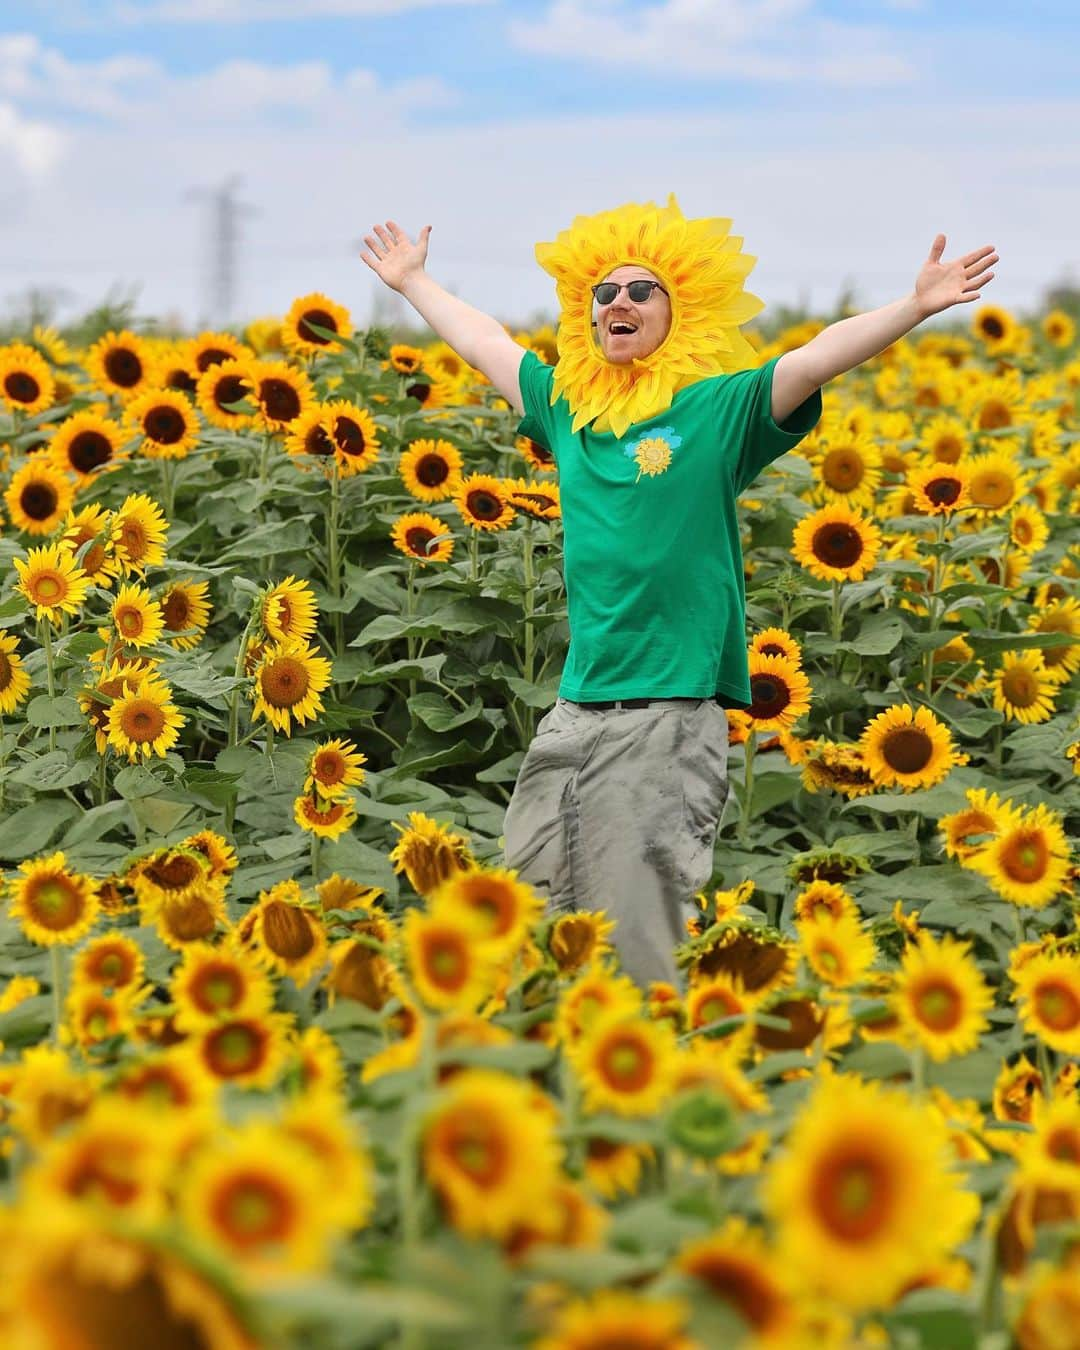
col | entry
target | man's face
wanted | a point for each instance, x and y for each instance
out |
(649, 320)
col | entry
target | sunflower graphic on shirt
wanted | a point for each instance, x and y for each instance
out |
(652, 453)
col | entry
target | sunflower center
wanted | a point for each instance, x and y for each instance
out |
(907, 750)
(446, 964)
(991, 488)
(130, 622)
(1058, 1006)
(828, 960)
(279, 399)
(994, 415)
(943, 491)
(329, 768)
(218, 987)
(837, 545)
(321, 319)
(6, 672)
(284, 682)
(843, 470)
(106, 1177)
(349, 436)
(134, 539)
(1022, 531)
(176, 611)
(233, 1050)
(210, 356)
(417, 538)
(948, 449)
(253, 1210)
(479, 1151)
(111, 968)
(484, 505)
(38, 500)
(287, 931)
(627, 1064)
(164, 424)
(432, 470)
(142, 721)
(746, 1288)
(21, 387)
(189, 920)
(853, 1195)
(178, 378)
(1020, 687)
(715, 1008)
(317, 442)
(992, 327)
(938, 1006)
(1026, 856)
(88, 451)
(55, 904)
(770, 696)
(573, 941)
(229, 389)
(1064, 1145)
(419, 391)
(123, 367)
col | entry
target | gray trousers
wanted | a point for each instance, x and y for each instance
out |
(617, 809)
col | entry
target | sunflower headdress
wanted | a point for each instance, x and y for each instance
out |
(699, 265)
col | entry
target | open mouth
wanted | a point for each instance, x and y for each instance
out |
(621, 329)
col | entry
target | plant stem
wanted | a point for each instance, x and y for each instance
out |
(57, 969)
(316, 845)
(410, 610)
(333, 558)
(45, 628)
(474, 555)
(837, 618)
(168, 485)
(748, 789)
(918, 1070)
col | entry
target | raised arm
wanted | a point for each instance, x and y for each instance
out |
(850, 342)
(475, 336)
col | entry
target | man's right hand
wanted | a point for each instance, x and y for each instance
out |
(396, 257)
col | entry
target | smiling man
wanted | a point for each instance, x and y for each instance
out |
(659, 415)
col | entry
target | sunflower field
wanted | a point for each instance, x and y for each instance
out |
(291, 1059)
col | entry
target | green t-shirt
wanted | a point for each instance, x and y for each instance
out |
(652, 559)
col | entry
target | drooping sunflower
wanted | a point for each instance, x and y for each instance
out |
(360, 973)
(289, 679)
(837, 949)
(196, 917)
(39, 496)
(449, 965)
(431, 470)
(53, 904)
(281, 392)
(836, 544)
(308, 435)
(939, 488)
(1059, 616)
(26, 382)
(1024, 687)
(619, 1318)
(862, 1169)
(136, 616)
(338, 892)
(354, 434)
(625, 1064)
(940, 997)
(760, 957)
(1027, 861)
(208, 350)
(1048, 992)
(51, 582)
(539, 500)
(327, 819)
(166, 874)
(120, 363)
(221, 387)
(165, 423)
(87, 444)
(139, 528)
(487, 1151)
(423, 537)
(996, 482)
(538, 457)
(837, 768)
(143, 721)
(577, 938)
(483, 503)
(907, 747)
(428, 852)
(185, 613)
(285, 934)
(735, 1265)
(334, 767)
(699, 265)
(847, 468)
(14, 681)
(111, 961)
(298, 335)
(779, 692)
(289, 611)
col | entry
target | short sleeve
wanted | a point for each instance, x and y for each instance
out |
(764, 440)
(541, 419)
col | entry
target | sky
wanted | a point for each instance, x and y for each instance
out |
(838, 136)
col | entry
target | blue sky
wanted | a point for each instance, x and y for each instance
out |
(838, 134)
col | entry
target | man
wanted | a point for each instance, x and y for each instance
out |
(657, 420)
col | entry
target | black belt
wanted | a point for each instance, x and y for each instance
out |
(640, 702)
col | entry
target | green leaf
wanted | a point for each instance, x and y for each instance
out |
(137, 781)
(423, 668)
(941, 1318)
(879, 636)
(60, 711)
(440, 714)
(534, 695)
(95, 823)
(53, 770)
(27, 1023)
(264, 541)
(160, 815)
(32, 828)
(988, 639)
(211, 785)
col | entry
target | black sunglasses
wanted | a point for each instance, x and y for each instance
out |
(638, 291)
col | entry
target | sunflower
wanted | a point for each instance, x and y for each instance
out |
(298, 334)
(837, 949)
(837, 768)
(1054, 1148)
(625, 1063)
(613, 1318)
(428, 852)
(568, 1219)
(538, 457)
(777, 642)
(48, 1093)
(92, 526)
(940, 998)
(14, 681)
(328, 819)
(173, 370)
(217, 851)
(847, 468)
(319, 1064)
(136, 616)
(166, 423)
(18, 990)
(489, 1153)
(502, 908)
(1059, 616)
(596, 993)
(1028, 529)
(144, 721)
(965, 832)
(334, 767)
(907, 747)
(779, 693)
(247, 1051)
(308, 435)
(994, 327)
(138, 533)
(715, 1000)
(836, 544)
(939, 488)
(431, 470)
(38, 497)
(483, 504)
(698, 264)
(579, 937)
(338, 892)
(863, 1168)
(26, 382)
(423, 537)
(173, 872)
(94, 700)
(354, 435)
(318, 1124)
(289, 611)
(449, 966)
(289, 678)
(539, 500)
(408, 360)
(735, 1266)
(281, 392)
(762, 959)
(1027, 862)
(216, 984)
(945, 439)
(196, 917)
(1048, 991)
(1024, 687)
(111, 961)
(995, 483)
(209, 350)
(219, 388)
(185, 613)
(120, 363)
(87, 444)
(824, 898)
(430, 388)
(285, 934)
(365, 976)
(53, 904)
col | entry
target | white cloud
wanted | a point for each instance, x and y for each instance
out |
(249, 11)
(35, 147)
(767, 40)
